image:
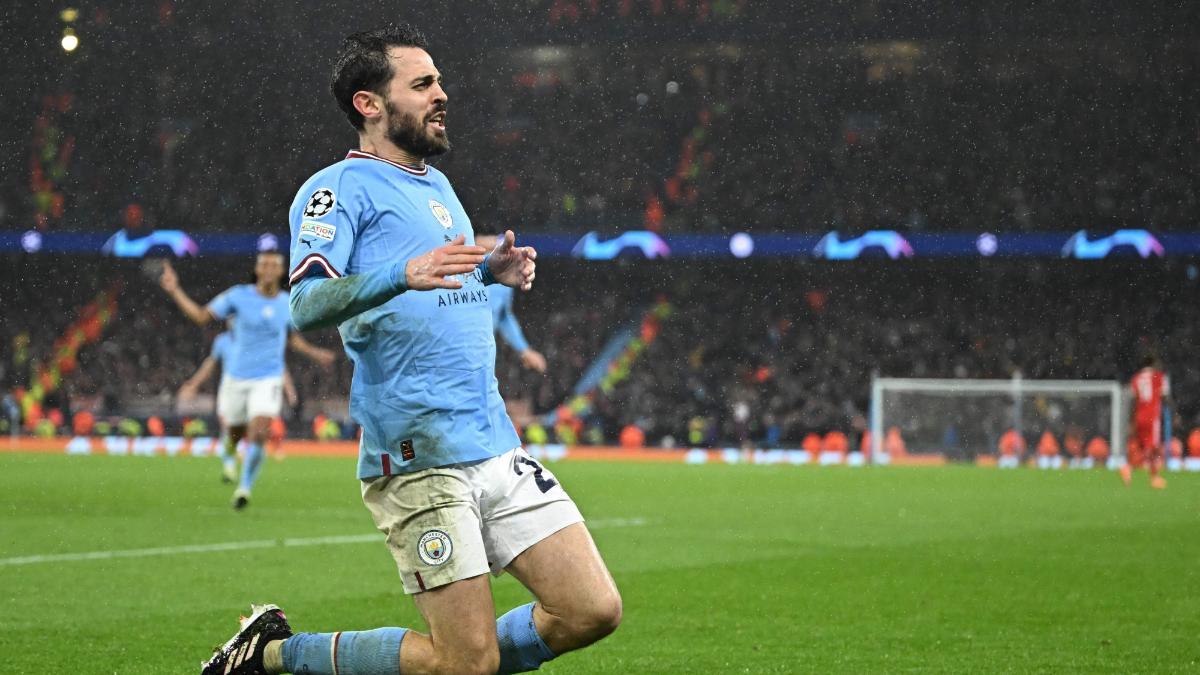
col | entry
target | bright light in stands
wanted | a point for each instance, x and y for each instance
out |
(987, 244)
(741, 245)
(69, 41)
(31, 241)
(268, 242)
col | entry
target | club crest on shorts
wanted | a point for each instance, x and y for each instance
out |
(434, 547)
(320, 203)
(441, 213)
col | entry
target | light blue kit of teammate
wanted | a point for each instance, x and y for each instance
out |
(220, 354)
(220, 349)
(500, 298)
(424, 388)
(252, 365)
(258, 336)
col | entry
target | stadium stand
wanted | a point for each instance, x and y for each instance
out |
(613, 115)
(839, 133)
(790, 351)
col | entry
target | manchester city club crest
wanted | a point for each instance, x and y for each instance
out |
(434, 547)
(441, 213)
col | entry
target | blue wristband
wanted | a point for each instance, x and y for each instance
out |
(485, 273)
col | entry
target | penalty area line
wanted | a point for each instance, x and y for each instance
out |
(290, 542)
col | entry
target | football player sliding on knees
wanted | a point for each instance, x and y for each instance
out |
(385, 251)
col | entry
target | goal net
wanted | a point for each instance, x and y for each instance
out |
(966, 419)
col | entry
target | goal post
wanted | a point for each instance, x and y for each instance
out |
(964, 419)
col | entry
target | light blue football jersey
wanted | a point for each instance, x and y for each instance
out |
(424, 386)
(259, 333)
(220, 349)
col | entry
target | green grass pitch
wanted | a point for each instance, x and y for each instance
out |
(729, 569)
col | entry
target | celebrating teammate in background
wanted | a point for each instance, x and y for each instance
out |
(230, 435)
(382, 248)
(1151, 392)
(252, 383)
(504, 320)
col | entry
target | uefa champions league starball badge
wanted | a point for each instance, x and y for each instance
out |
(320, 203)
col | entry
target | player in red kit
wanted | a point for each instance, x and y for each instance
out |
(1151, 390)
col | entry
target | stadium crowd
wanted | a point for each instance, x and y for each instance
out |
(790, 350)
(614, 115)
(794, 348)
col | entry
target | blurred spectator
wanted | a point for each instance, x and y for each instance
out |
(632, 437)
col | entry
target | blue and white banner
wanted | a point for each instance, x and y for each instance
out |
(832, 245)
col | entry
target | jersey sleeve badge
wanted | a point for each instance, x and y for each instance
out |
(311, 229)
(320, 203)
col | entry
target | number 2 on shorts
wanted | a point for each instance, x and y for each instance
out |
(543, 484)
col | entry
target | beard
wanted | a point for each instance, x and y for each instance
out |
(412, 135)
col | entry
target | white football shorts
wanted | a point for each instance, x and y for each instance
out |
(239, 401)
(456, 522)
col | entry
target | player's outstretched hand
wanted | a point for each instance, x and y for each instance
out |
(169, 280)
(429, 271)
(187, 392)
(513, 265)
(533, 360)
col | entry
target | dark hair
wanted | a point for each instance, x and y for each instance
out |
(1150, 360)
(362, 64)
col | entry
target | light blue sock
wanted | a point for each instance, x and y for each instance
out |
(228, 452)
(521, 648)
(251, 465)
(358, 652)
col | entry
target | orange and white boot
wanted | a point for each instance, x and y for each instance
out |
(1158, 483)
(1126, 474)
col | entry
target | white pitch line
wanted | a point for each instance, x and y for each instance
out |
(336, 539)
(598, 523)
(140, 552)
